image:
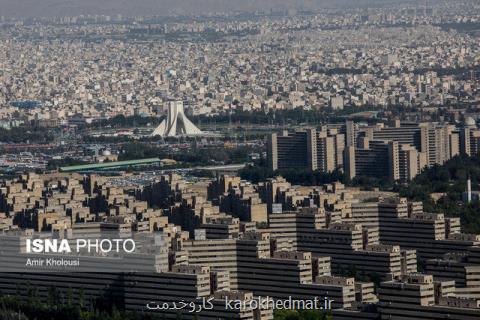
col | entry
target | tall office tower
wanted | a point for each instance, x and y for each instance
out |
(330, 148)
(176, 123)
(439, 142)
(373, 158)
(470, 138)
(272, 151)
(349, 162)
(475, 142)
(411, 162)
(350, 134)
(289, 150)
(393, 160)
(313, 150)
(465, 138)
(310, 149)
(398, 152)
(339, 145)
(454, 142)
(324, 150)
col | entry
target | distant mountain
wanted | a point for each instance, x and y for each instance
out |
(48, 8)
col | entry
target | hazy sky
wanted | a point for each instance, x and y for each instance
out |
(29, 8)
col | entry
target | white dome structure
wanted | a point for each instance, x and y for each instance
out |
(469, 121)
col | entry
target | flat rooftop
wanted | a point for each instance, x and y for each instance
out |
(110, 165)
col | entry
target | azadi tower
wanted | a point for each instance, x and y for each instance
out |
(176, 123)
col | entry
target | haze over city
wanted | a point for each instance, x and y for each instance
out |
(48, 8)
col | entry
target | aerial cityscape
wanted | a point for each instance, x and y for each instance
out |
(256, 160)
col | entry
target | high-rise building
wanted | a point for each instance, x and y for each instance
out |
(310, 149)
(439, 142)
(470, 141)
(397, 152)
(411, 162)
(375, 158)
(350, 134)
(330, 147)
(290, 150)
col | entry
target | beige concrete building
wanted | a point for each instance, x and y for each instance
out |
(413, 297)
(310, 149)
(315, 238)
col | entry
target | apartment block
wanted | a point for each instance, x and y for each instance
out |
(309, 149)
